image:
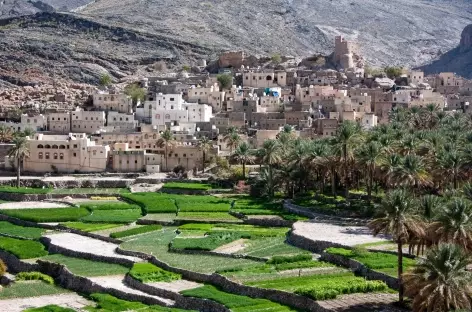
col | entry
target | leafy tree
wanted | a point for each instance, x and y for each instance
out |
(135, 92)
(186, 68)
(398, 219)
(276, 58)
(393, 72)
(19, 152)
(165, 141)
(440, 282)
(225, 80)
(105, 80)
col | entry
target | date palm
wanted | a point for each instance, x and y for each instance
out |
(232, 141)
(270, 154)
(165, 141)
(370, 156)
(453, 224)
(440, 282)
(398, 219)
(6, 135)
(411, 172)
(204, 145)
(19, 151)
(450, 165)
(244, 155)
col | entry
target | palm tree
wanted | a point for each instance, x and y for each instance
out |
(450, 164)
(232, 141)
(244, 155)
(440, 282)
(166, 140)
(270, 153)
(453, 224)
(19, 151)
(370, 156)
(398, 219)
(411, 172)
(6, 135)
(348, 135)
(204, 145)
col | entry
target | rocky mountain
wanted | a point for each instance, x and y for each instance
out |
(457, 60)
(85, 38)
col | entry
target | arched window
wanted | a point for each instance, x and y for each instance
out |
(61, 156)
(47, 155)
(55, 155)
(40, 155)
(146, 136)
(62, 147)
(154, 136)
(55, 147)
(47, 146)
(269, 78)
(40, 146)
(167, 116)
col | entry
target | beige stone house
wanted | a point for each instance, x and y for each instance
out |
(105, 101)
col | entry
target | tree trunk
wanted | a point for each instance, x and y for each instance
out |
(244, 170)
(204, 156)
(346, 183)
(18, 172)
(371, 183)
(270, 182)
(455, 180)
(165, 151)
(400, 271)
(333, 182)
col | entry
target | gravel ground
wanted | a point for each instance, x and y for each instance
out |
(88, 245)
(117, 283)
(176, 286)
(32, 204)
(345, 235)
(232, 247)
(72, 301)
(144, 187)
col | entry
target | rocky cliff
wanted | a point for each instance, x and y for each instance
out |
(457, 60)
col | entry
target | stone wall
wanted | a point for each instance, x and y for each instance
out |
(181, 301)
(282, 297)
(89, 256)
(15, 265)
(360, 269)
(75, 183)
(311, 245)
(66, 279)
(216, 254)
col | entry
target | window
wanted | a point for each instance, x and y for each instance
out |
(94, 153)
(40, 155)
(47, 146)
(47, 155)
(40, 146)
(185, 155)
(135, 161)
(55, 155)
(75, 145)
(86, 118)
(61, 156)
(75, 154)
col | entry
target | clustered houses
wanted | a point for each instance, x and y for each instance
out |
(115, 134)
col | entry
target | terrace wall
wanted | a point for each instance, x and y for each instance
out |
(216, 254)
(119, 182)
(282, 297)
(15, 265)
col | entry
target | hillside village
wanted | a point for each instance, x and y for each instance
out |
(75, 129)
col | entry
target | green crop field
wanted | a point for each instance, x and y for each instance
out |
(188, 186)
(28, 289)
(87, 268)
(47, 214)
(24, 190)
(23, 249)
(149, 273)
(157, 243)
(153, 202)
(113, 216)
(207, 216)
(107, 205)
(234, 302)
(90, 227)
(108, 303)
(7, 228)
(102, 191)
(136, 231)
(267, 247)
(377, 261)
(322, 286)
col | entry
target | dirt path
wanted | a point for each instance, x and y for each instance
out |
(32, 204)
(72, 301)
(232, 247)
(176, 286)
(116, 282)
(87, 245)
(344, 235)
(362, 303)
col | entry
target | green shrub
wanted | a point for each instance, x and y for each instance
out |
(20, 231)
(23, 249)
(302, 265)
(34, 276)
(290, 259)
(136, 231)
(149, 273)
(113, 216)
(47, 214)
(50, 308)
(90, 227)
(332, 290)
(108, 303)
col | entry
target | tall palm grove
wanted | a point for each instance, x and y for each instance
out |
(410, 177)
